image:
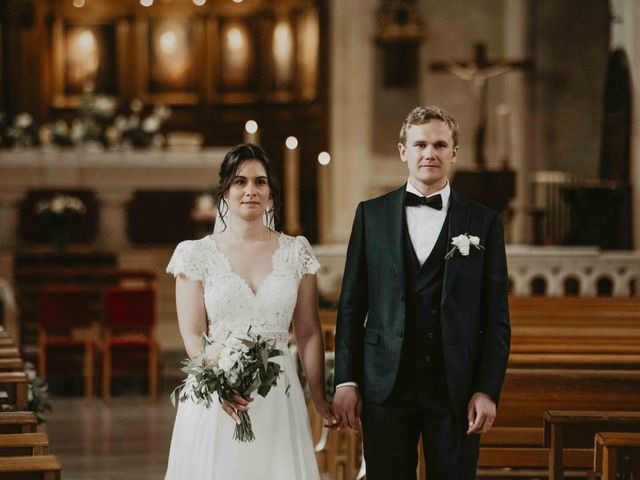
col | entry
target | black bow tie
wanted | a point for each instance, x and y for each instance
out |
(413, 200)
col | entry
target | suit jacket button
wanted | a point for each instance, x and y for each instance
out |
(427, 358)
(400, 333)
(430, 335)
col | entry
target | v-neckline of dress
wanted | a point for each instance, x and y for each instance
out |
(241, 278)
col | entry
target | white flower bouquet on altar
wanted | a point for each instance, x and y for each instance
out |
(60, 213)
(231, 365)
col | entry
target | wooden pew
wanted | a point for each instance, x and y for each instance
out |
(43, 467)
(11, 365)
(23, 444)
(517, 438)
(576, 429)
(15, 385)
(616, 452)
(18, 422)
(9, 352)
(567, 354)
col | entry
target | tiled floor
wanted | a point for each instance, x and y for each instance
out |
(125, 439)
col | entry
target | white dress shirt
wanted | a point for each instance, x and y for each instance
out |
(424, 225)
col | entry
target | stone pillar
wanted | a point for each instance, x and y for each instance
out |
(516, 89)
(625, 34)
(634, 55)
(112, 231)
(9, 202)
(350, 171)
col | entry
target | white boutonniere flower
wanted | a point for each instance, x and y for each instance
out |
(463, 243)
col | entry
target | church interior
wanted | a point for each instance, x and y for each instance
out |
(115, 116)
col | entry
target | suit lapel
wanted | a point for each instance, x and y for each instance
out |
(395, 232)
(458, 224)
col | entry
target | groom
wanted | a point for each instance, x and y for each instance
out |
(423, 330)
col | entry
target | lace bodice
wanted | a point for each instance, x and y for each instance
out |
(228, 299)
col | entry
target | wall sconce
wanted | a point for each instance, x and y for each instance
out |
(283, 54)
(83, 56)
(400, 33)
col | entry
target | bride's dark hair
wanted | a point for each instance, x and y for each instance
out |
(228, 170)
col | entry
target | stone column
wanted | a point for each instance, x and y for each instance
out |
(9, 201)
(633, 51)
(112, 231)
(350, 171)
(625, 34)
(516, 95)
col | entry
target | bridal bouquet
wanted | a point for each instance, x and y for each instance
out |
(230, 365)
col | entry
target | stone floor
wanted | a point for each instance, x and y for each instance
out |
(125, 439)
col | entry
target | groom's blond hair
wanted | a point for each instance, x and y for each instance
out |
(421, 115)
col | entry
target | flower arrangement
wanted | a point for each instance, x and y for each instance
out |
(462, 244)
(22, 131)
(230, 365)
(60, 213)
(37, 394)
(96, 125)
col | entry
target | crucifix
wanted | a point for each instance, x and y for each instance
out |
(478, 71)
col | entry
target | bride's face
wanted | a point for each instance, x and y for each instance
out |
(249, 193)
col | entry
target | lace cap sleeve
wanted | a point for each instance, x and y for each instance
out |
(185, 260)
(307, 261)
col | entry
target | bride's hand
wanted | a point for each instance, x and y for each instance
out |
(236, 404)
(324, 409)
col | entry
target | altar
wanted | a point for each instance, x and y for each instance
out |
(114, 176)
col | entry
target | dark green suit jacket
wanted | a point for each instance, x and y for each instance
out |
(474, 304)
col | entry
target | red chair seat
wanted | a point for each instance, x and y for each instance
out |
(130, 317)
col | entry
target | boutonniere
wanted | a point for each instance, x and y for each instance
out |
(463, 243)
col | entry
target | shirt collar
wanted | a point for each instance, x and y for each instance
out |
(445, 193)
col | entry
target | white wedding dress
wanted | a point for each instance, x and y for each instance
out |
(202, 447)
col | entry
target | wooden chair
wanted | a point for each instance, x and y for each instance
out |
(66, 323)
(42, 467)
(617, 453)
(129, 327)
(23, 444)
(18, 422)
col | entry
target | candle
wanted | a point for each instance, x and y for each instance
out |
(251, 133)
(324, 158)
(504, 132)
(292, 186)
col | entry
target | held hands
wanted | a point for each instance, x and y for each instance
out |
(241, 404)
(481, 412)
(325, 411)
(347, 407)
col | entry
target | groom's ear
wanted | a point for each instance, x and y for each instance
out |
(402, 150)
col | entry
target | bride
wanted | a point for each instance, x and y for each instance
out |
(247, 273)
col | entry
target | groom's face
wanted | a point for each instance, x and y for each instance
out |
(429, 153)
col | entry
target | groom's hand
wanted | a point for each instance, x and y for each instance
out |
(481, 412)
(347, 407)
